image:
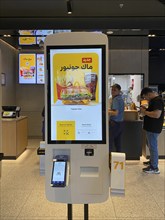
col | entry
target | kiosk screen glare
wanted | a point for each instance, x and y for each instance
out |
(76, 87)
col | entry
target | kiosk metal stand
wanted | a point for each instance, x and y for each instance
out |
(85, 211)
(70, 211)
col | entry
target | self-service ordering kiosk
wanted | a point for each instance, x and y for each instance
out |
(76, 143)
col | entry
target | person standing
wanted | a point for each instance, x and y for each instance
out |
(153, 124)
(116, 113)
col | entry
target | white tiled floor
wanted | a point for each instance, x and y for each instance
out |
(23, 193)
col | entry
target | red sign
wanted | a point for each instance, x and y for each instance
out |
(86, 60)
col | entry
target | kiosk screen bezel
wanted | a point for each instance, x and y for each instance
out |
(103, 93)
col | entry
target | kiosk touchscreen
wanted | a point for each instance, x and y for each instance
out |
(76, 117)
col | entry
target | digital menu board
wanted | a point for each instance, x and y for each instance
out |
(40, 69)
(31, 37)
(76, 79)
(27, 40)
(27, 68)
(43, 33)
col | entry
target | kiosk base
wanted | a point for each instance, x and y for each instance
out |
(70, 211)
(114, 191)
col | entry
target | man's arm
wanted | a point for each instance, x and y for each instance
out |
(152, 114)
(113, 112)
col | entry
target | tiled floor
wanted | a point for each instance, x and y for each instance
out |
(23, 193)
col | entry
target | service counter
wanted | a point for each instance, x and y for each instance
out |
(131, 115)
(14, 137)
(132, 140)
(132, 135)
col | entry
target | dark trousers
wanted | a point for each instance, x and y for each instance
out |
(115, 134)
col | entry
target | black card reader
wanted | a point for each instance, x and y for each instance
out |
(59, 171)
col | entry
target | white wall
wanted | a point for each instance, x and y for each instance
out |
(125, 81)
(8, 66)
(137, 88)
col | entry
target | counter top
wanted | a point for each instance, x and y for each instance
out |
(138, 120)
(14, 119)
(14, 136)
(127, 110)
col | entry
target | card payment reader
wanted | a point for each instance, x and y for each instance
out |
(10, 111)
(60, 171)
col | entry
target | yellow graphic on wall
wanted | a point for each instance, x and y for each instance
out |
(75, 78)
(65, 130)
(27, 66)
(27, 40)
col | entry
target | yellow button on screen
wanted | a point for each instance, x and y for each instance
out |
(65, 130)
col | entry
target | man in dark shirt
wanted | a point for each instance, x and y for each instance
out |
(153, 124)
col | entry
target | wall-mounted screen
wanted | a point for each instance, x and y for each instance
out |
(76, 90)
(31, 37)
(42, 34)
(40, 69)
(27, 68)
(28, 39)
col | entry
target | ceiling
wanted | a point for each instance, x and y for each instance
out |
(124, 17)
(88, 14)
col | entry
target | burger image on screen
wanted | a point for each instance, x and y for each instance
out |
(76, 95)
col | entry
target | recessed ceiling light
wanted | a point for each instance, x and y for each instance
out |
(109, 32)
(121, 5)
(7, 35)
(69, 7)
(151, 35)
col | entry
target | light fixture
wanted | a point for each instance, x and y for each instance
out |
(109, 32)
(7, 35)
(69, 6)
(121, 5)
(151, 35)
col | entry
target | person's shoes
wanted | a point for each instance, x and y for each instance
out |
(151, 170)
(146, 163)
